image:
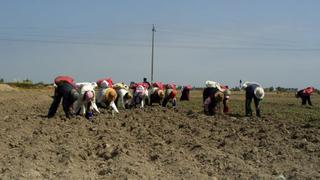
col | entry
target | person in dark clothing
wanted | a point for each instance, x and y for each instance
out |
(170, 95)
(305, 94)
(157, 96)
(146, 81)
(211, 97)
(156, 93)
(68, 93)
(254, 92)
(185, 93)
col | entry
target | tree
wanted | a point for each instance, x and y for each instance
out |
(280, 89)
(1, 80)
(271, 89)
(235, 89)
(28, 81)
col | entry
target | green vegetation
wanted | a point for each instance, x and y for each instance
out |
(28, 85)
(275, 107)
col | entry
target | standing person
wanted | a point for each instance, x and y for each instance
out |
(170, 95)
(65, 90)
(256, 92)
(86, 103)
(146, 81)
(305, 94)
(212, 97)
(185, 94)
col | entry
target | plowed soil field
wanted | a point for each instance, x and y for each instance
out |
(159, 143)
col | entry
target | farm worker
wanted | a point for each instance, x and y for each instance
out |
(156, 93)
(123, 93)
(226, 98)
(65, 89)
(212, 97)
(170, 95)
(185, 93)
(146, 82)
(106, 95)
(256, 92)
(105, 82)
(86, 103)
(305, 94)
(140, 94)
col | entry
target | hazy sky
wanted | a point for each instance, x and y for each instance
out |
(276, 43)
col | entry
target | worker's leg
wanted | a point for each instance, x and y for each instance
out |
(309, 100)
(248, 106)
(55, 104)
(256, 103)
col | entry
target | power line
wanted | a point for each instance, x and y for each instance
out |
(72, 42)
(160, 45)
(203, 39)
(224, 37)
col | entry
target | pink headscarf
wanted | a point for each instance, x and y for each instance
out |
(140, 90)
(89, 95)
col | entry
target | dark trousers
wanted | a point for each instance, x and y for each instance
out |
(184, 95)
(67, 102)
(166, 100)
(154, 98)
(225, 105)
(248, 106)
(210, 111)
(212, 107)
(306, 99)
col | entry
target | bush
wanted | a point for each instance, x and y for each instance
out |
(235, 89)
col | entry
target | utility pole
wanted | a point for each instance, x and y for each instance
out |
(153, 30)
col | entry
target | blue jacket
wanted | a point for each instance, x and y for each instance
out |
(250, 90)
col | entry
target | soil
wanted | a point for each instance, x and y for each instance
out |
(150, 143)
(6, 87)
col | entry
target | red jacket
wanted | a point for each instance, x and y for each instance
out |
(109, 80)
(188, 87)
(60, 79)
(171, 86)
(145, 85)
(159, 85)
(308, 90)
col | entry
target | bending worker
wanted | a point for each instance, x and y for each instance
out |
(212, 98)
(65, 90)
(305, 94)
(253, 91)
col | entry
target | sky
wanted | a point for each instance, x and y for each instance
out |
(275, 43)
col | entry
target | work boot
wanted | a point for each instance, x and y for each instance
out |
(89, 115)
(258, 113)
(249, 114)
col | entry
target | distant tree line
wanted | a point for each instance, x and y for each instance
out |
(27, 83)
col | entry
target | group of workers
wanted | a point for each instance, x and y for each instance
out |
(82, 98)
(215, 94)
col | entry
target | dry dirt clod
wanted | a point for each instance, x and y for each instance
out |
(280, 177)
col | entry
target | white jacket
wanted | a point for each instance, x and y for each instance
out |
(101, 99)
(121, 93)
(81, 103)
(140, 90)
